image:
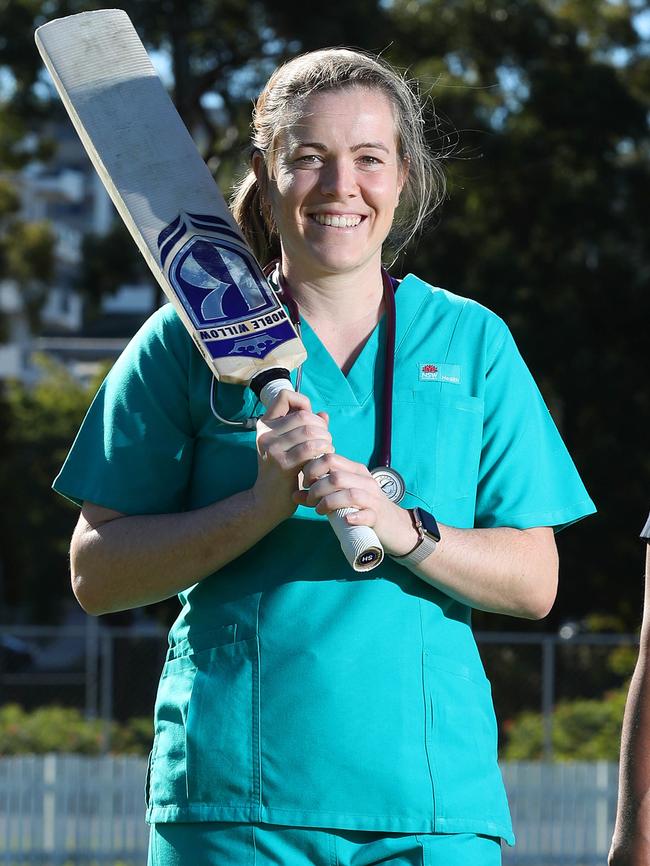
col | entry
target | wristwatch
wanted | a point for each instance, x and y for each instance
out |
(429, 536)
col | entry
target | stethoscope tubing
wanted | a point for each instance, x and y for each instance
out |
(389, 286)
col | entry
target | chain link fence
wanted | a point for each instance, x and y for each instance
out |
(83, 810)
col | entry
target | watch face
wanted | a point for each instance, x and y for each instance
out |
(390, 481)
(429, 524)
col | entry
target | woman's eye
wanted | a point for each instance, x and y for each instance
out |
(369, 160)
(308, 159)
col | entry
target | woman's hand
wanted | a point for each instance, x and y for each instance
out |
(289, 435)
(335, 482)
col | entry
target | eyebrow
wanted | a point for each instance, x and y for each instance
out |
(317, 145)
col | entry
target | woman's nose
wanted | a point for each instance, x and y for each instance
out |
(338, 179)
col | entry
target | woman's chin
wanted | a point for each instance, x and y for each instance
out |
(338, 259)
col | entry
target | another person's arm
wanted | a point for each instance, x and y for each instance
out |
(121, 561)
(631, 842)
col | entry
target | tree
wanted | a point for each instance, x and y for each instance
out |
(549, 162)
(545, 224)
(38, 425)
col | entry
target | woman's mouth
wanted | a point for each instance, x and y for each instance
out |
(339, 221)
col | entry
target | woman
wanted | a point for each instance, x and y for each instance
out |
(306, 713)
(631, 841)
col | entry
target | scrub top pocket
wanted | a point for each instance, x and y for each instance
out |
(206, 722)
(438, 441)
(458, 446)
(167, 766)
(461, 736)
(221, 719)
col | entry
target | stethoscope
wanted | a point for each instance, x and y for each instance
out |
(389, 479)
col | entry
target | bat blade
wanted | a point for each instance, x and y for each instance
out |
(170, 203)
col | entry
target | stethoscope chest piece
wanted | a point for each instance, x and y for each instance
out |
(390, 481)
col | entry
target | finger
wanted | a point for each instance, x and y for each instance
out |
(330, 483)
(286, 402)
(294, 420)
(349, 498)
(319, 467)
(299, 497)
(277, 442)
(295, 457)
(361, 517)
(331, 463)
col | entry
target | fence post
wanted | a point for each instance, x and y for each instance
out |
(49, 803)
(548, 693)
(106, 708)
(92, 657)
(603, 829)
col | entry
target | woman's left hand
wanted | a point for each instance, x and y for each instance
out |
(335, 482)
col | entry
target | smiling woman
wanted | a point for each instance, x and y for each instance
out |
(307, 714)
(335, 184)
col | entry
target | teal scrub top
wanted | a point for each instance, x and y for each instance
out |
(295, 690)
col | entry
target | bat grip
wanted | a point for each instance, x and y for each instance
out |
(359, 544)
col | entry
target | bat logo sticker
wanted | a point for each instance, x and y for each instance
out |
(214, 276)
(253, 345)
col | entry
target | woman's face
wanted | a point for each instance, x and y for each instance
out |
(337, 182)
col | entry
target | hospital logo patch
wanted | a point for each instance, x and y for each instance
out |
(430, 372)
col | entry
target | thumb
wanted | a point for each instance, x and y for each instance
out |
(286, 401)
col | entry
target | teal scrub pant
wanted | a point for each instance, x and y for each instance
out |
(226, 844)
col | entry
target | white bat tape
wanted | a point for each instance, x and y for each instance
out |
(359, 544)
(271, 390)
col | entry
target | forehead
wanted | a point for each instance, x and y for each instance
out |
(350, 115)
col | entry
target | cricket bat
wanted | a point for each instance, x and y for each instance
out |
(177, 216)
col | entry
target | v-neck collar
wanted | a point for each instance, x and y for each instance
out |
(358, 386)
(335, 386)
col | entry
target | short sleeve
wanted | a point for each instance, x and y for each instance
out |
(526, 475)
(133, 452)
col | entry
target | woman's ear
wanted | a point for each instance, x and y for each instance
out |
(258, 164)
(404, 168)
(259, 167)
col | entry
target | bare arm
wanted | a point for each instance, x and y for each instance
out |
(631, 842)
(502, 570)
(123, 561)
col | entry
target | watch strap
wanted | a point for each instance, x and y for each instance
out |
(424, 547)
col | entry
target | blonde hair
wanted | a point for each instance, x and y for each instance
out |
(280, 102)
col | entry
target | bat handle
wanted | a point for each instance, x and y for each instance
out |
(359, 544)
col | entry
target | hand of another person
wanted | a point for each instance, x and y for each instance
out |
(335, 482)
(289, 435)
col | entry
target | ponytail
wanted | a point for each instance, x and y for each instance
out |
(254, 218)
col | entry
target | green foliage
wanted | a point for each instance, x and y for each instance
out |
(37, 426)
(546, 221)
(26, 250)
(545, 224)
(583, 730)
(27, 257)
(9, 201)
(108, 262)
(133, 737)
(63, 729)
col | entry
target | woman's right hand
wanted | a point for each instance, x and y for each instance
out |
(289, 435)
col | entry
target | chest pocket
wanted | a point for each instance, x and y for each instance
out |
(438, 441)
